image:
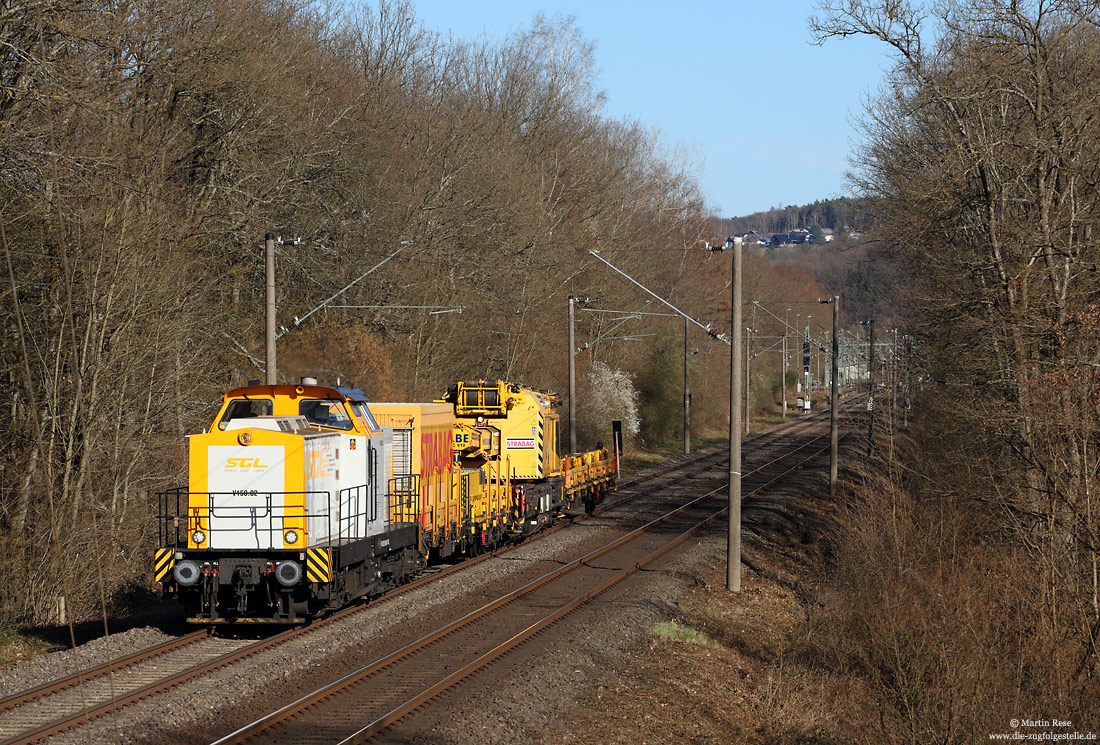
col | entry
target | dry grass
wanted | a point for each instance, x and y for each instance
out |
(638, 458)
(909, 618)
(16, 647)
(725, 672)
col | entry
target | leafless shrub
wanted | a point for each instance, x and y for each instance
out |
(979, 161)
(945, 622)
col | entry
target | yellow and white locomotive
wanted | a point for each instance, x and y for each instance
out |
(303, 498)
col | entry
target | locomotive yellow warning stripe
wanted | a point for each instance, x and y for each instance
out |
(234, 621)
(538, 455)
(318, 565)
(165, 559)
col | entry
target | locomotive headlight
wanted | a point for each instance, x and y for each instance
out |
(244, 438)
(198, 537)
(288, 573)
(186, 572)
(291, 537)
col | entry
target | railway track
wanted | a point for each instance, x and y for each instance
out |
(718, 454)
(60, 705)
(365, 702)
(753, 442)
(72, 701)
(114, 666)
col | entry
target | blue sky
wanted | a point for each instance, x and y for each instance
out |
(769, 115)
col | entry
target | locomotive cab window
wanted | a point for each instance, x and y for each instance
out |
(364, 413)
(329, 412)
(245, 409)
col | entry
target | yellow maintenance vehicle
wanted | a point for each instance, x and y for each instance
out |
(520, 427)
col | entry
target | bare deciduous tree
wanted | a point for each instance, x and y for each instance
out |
(980, 161)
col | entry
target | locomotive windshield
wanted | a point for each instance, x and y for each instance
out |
(326, 412)
(246, 408)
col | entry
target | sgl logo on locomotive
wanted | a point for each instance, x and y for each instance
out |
(243, 463)
(244, 466)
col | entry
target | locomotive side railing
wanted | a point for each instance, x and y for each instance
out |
(404, 498)
(356, 513)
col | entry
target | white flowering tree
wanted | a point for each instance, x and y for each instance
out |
(607, 395)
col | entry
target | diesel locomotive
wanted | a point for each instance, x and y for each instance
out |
(303, 498)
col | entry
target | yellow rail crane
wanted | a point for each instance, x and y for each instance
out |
(524, 424)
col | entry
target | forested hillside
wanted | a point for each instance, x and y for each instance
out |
(863, 272)
(853, 264)
(454, 187)
(834, 214)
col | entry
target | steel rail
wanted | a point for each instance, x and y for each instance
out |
(80, 677)
(98, 711)
(88, 714)
(398, 713)
(781, 428)
(474, 561)
(804, 423)
(370, 670)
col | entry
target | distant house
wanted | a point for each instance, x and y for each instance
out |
(798, 236)
(794, 237)
(753, 238)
